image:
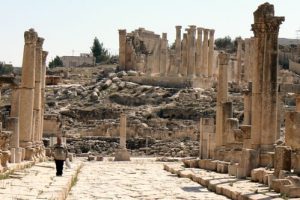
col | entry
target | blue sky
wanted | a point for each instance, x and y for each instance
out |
(69, 26)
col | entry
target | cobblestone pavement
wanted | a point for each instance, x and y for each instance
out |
(137, 179)
(38, 182)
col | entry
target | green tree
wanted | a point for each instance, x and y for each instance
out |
(99, 52)
(5, 68)
(56, 62)
(224, 43)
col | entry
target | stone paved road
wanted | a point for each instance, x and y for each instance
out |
(138, 179)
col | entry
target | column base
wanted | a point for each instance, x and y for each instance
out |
(122, 155)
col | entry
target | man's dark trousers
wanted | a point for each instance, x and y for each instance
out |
(59, 167)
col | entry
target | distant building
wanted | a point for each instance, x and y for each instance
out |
(75, 61)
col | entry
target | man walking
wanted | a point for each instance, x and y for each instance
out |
(60, 154)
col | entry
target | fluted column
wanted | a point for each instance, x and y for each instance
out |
(239, 60)
(204, 58)
(43, 94)
(222, 97)
(211, 52)
(37, 90)
(178, 49)
(122, 48)
(192, 51)
(183, 67)
(198, 68)
(163, 54)
(27, 89)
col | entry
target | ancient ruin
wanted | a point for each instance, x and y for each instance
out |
(227, 120)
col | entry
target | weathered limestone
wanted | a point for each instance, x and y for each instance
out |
(206, 143)
(292, 130)
(184, 58)
(163, 54)
(13, 125)
(239, 60)
(204, 57)
(178, 49)
(223, 107)
(298, 103)
(264, 77)
(191, 51)
(37, 91)
(27, 91)
(43, 93)
(283, 159)
(211, 52)
(198, 67)
(122, 48)
(122, 153)
(247, 107)
(247, 66)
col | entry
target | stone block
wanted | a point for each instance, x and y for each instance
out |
(283, 159)
(202, 164)
(91, 158)
(99, 158)
(185, 174)
(222, 167)
(292, 129)
(249, 161)
(291, 191)
(70, 156)
(193, 163)
(212, 165)
(232, 169)
(257, 174)
(266, 159)
(122, 155)
(277, 184)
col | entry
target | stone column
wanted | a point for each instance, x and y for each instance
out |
(27, 92)
(211, 52)
(183, 68)
(14, 111)
(163, 54)
(43, 94)
(239, 60)
(191, 51)
(122, 48)
(298, 103)
(123, 125)
(204, 57)
(222, 96)
(266, 28)
(283, 159)
(122, 153)
(247, 107)
(37, 91)
(198, 68)
(247, 68)
(178, 49)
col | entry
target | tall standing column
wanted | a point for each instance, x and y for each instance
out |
(178, 49)
(266, 28)
(211, 52)
(247, 107)
(204, 58)
(298, 103)
(183, 70)
(43, 94)
(123, 123)
(27, 90)
(198, 68)
(192, 51)
(122, 48)
(163, 54)
(222, 97)
(247, 68)
(37, 91)
(239, 60)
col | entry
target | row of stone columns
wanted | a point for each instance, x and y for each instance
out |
(27, 101)
(194, 56)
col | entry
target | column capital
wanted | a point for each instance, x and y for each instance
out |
(44, 56)
(205, 31)
(122, 31)
(30, 36)
(193, 27)
(178, 27)
(199, 29)
(211, 31)
(39, 42)
(223, 58)
(164, 36)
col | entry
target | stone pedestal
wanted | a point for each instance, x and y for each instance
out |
(283, 156)
(122, 155)
(13, 125)
(249, 161)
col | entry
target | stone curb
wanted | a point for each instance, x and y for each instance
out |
(220, 186)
